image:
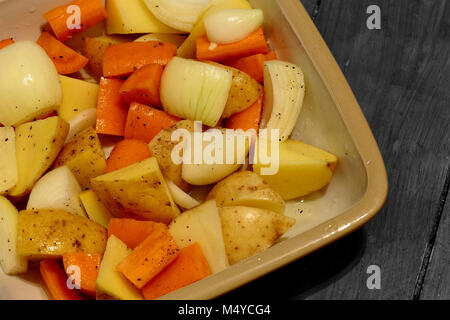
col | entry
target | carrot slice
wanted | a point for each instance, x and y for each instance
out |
(190, 266)
(120, 60)
(90, 13)
(111, 109)
(55, 280)
(253, 44)
(150, 257)
(88, 264)
(253, 65)
(127, 152)
(131, 232)
(65, 59)
(6, 42)
(143, 86)
(248, 118)
(144, 122)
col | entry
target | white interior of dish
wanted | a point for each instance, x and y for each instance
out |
(320, 124)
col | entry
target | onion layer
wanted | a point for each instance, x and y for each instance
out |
(232, 25)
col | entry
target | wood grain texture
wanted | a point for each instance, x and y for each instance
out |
(400, 76)
(437, 279)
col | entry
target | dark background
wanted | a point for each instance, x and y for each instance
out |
(401, 78)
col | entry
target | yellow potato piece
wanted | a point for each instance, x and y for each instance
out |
(301, 171)
(132, 16)
(83, 155)
(248, 231)
(51, 233)
(248, 189)
(37, 145)
(137, 191)
(94, 48)
(95, 209)
(311, 152)
(110, 284)
(175, 39)
(187, 49)
(78, 95)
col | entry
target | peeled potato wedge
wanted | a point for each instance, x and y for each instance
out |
(248, 231)
(8, 167)
(202, 225)
(10, 261)
(37, 145)
(246, 188)
(302, 170)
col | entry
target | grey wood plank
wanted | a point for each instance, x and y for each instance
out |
(400, 76)
(437, 280)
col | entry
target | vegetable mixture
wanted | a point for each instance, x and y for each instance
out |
(90, 116)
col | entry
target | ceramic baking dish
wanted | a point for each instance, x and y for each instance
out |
(331, 119)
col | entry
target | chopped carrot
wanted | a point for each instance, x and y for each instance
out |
(131, 232)
(253, 65)
(190, 266)
(88, 264)
(253, 44)
(143, 86)
(149, 258)
(55, 280)
(144, 122)
(111, 109)
(6, 42)
(121, 60)
(65, 59)
(248, 118)
(63, 19)
(127, 152)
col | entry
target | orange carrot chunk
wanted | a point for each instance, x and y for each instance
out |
(55, 280)
(6, 42)
(143, 86)
(121, 60)
(65, 59)
(127, 152)
(253, 44)
(144, 122)
(253, 65)
(111, 109)
(89, 13)
(248, 118)
(190, 266)
(149, 258)
(88, 264)
(131, 232)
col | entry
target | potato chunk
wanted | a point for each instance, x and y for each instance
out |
(303, 169)
(137, 191)
(248, 231)
(94, 49)
(45, 234)
(37, 145)
(246, 188)
(78, 95)
(83, 155)
(132, 16)
(162, 146)
(243, 93)
(8, 162)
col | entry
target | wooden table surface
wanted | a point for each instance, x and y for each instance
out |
(401, 78)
